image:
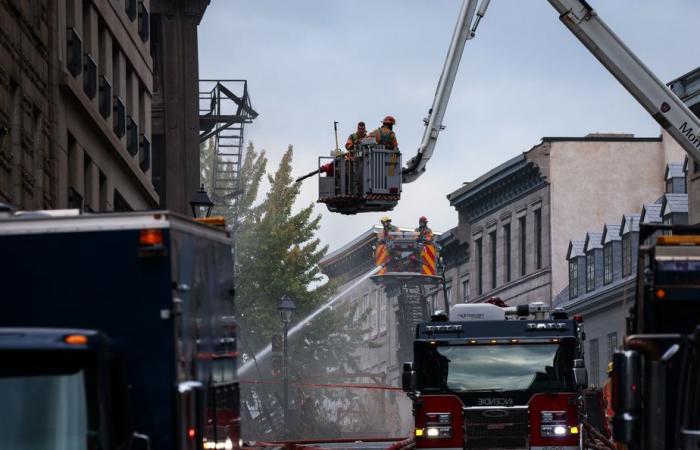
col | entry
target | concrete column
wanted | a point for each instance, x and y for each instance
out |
(92, 42)
(76, 21)
(105, 63)
(76, 163)
(119, 68)
(145, 123)
(92, 186)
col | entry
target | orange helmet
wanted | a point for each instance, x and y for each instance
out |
(389, 120)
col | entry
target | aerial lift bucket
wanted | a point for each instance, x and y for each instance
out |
(367, 179)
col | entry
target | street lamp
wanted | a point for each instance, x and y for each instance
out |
(201, 203)
(286, 309)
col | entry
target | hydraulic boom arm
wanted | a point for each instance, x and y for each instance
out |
(464, 31)
(583, 21)
(663, 105)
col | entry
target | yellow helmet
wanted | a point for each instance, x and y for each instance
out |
(386, 219)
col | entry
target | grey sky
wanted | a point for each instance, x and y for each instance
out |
(310, 62)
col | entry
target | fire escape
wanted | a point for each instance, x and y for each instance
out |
(224, 110)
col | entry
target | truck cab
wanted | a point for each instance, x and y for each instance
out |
(480, 380)
(60, 390)
(656, 377)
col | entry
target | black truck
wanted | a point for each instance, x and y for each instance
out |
(656, 377)
(116, 332)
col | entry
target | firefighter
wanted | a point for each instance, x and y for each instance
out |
(354, 138)
(425, 234)
(385, 136)
(388, 227)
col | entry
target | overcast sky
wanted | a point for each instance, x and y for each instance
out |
(310, 62)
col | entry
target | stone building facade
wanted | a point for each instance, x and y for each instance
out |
(174, 47)
(76, 100)
(517, 218)
(602, 276)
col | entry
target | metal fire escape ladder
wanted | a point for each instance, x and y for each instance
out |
(222, 118)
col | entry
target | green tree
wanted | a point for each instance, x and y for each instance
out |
(278, 254)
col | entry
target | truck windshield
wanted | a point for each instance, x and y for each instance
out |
(463, 368)
(43, 409)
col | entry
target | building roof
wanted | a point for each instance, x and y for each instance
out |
(674, 203)
(361, 240)
(593, 241)
(611, 232)
(629, 224)
(575, 249)
(651, 213)
(501, 171)
(601, 137)
(674, 170)
(687, 88)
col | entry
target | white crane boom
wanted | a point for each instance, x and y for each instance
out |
(583, 21)
(433, 123)
(663, 105)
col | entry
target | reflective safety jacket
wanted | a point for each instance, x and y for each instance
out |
(384, 136)
(425, 234)
(353, 140)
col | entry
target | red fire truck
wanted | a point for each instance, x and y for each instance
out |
(480, 380)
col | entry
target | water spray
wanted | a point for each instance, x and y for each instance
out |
(329, 304)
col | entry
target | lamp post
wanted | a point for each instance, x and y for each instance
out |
(201, 203)
(286, 309)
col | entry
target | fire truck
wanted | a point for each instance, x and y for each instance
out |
(377, 183)
(117, 332)
(492, 377)
(656, 377)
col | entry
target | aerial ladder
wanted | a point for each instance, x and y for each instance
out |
(376, 188)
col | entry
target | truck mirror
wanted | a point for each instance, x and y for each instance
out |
(626, 396)
(580, 373)
(140, 442)
(408, 377)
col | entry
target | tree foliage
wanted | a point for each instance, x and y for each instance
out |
(277, 253)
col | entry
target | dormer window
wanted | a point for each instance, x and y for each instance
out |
(573, 278)
(626, 255)
(590, 271)
(608, 263)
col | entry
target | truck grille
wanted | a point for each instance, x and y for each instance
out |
(496, 428)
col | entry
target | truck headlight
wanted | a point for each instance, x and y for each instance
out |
(438, 432)
(553, 430)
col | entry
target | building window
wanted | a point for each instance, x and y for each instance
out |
(374, 315)
(479, 268)
(506, 252)
(465, 291)
(492, 239)
(573, 278)
(612, 345)
(607, 263)
(594, 362)
(523, 245)
(448, 291)
(382, 311)
(538, 238)
(590, 271)
(626, 255)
